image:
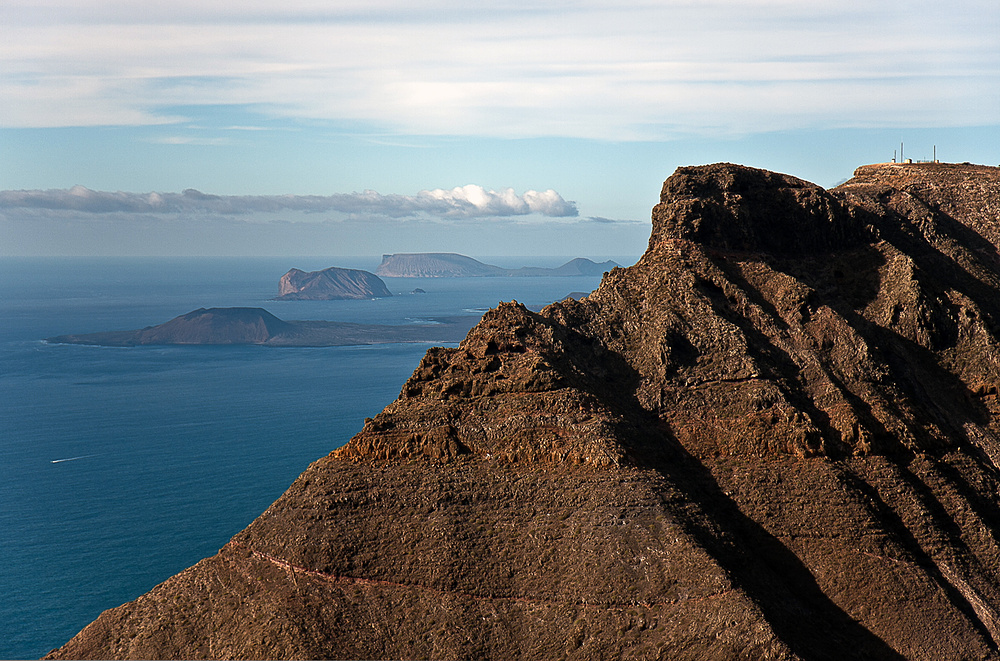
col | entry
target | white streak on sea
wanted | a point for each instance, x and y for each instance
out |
(86, 456)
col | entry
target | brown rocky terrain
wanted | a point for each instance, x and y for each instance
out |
(330, 284)
(774, 437)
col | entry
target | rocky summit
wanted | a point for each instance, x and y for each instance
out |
(773, 437)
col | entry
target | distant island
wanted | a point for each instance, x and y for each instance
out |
(236, 326)
(453, 265)
(330, 284)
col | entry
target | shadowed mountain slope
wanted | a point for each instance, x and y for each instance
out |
(775, 436)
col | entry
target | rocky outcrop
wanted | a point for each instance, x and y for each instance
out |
(452, 265)
(775, 436)
(330, 284)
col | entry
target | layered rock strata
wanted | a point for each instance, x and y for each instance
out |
(775, 436)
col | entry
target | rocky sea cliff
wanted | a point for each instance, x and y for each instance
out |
(775, 436)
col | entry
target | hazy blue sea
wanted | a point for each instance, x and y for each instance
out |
(120, 467)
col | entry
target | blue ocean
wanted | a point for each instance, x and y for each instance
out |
(120, 467)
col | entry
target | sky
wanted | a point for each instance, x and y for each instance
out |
(310, 127)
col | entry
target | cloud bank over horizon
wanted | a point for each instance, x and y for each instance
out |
(463, 202)
(467, 219)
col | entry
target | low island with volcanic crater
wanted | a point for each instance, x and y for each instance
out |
(258, 326)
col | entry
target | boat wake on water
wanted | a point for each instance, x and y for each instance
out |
(86, 456)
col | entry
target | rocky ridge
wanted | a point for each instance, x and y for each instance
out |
(775, 436)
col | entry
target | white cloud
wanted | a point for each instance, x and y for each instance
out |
(470, 201)
(593, 69)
